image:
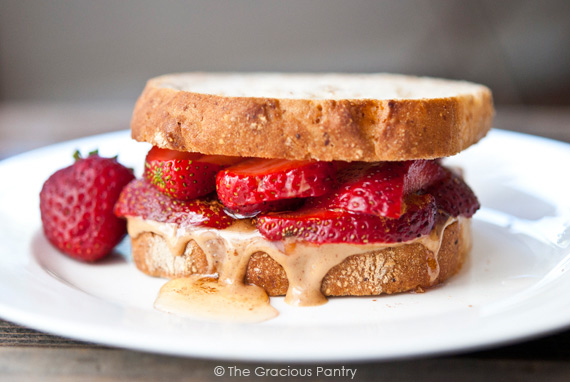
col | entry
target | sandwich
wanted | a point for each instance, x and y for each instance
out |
(300, 185)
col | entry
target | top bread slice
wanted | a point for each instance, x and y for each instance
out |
(350, 117)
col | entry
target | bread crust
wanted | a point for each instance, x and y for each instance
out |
(320, 129)
(390, 270)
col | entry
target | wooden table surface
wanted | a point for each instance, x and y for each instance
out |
(28, 355)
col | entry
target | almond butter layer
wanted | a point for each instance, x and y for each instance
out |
(388, 270)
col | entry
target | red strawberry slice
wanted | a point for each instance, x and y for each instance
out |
(263, 180)
(252, 210)
(140, 199)
(337, 226)
(379, 189)
(453, 196)
(184, 175)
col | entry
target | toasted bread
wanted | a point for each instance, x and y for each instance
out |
(369, 117)
(409, 267)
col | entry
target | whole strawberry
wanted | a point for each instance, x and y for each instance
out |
(76, 205)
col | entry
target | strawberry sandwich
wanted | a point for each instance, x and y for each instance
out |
(300, 185)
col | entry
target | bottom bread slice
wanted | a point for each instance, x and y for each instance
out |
(409, 267)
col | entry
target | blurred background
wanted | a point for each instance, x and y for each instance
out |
(74, 68)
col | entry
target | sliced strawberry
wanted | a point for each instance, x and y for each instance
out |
(251, 210)
(337, 226)
(184, 175)
(380, 188)
(454, 196)
(221, 160)
(263, 180)
(140, 199)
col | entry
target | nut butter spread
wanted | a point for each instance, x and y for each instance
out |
(222, 294)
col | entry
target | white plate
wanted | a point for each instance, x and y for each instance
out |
(515, 286)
